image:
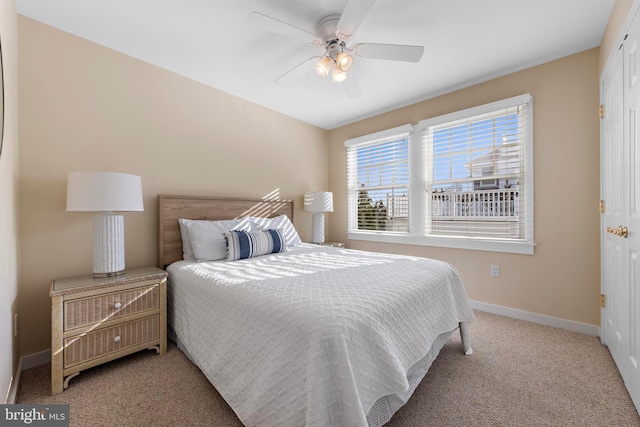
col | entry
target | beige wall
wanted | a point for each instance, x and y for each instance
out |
(562, 279)
(8, 197)
(85, 107)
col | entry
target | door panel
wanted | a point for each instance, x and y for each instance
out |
(631, 218)
(631, 371)
(612, 194)
(620, 189)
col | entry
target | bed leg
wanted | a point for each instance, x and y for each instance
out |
(465, 335)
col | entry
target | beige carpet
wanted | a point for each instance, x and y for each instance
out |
(521, 374)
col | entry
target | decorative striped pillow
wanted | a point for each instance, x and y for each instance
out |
(245, 244)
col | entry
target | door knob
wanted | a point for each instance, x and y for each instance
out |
(620, 231)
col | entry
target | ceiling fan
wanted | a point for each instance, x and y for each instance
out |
(333, 33)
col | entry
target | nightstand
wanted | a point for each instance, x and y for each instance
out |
(331, 244)
(97, 320)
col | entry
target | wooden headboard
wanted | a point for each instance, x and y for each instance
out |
(172, 208)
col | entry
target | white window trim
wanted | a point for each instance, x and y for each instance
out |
(380, 136)
(453, 242)
(416, 236)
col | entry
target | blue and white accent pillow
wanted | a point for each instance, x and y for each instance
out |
(282, 223)
(246, 244)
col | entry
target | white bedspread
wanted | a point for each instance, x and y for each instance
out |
(313, 336)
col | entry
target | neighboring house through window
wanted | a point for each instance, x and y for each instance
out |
(461, 180)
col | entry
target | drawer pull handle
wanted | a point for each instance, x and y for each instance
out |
(117, 338)
(118, 305)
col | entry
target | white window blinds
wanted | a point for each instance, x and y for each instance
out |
(378, 181)
(462, 180)
(478, 168)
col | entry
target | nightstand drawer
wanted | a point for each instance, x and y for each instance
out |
(95, 310)
(100, 343)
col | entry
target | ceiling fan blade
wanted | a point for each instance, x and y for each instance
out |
(280, 27)
(352, 15)
(297, 71)
(394, 52)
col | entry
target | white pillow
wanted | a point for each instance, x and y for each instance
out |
(207, 237)
(282, 223)
(187, 250)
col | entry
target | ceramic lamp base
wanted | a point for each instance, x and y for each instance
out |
(108, 245)
(317, 227)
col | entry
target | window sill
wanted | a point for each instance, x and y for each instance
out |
(477, 244)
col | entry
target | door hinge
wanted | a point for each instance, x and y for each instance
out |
(603, 300)
(601, 206)
(602, 111)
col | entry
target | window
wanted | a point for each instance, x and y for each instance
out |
(461, 180)
(379, 181)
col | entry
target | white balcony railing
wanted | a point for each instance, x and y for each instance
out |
(500, 205)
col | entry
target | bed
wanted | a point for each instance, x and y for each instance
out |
(309, 335)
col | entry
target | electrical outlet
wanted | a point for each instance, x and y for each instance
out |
(495, 271)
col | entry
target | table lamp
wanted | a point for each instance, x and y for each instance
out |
(105, 193)
(318, 203)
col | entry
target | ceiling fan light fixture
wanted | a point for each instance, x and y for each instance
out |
(344, 61)
(338, 76)
(334, 33)
(322, 66)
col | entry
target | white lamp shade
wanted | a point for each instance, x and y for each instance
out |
(91, 191)
(344, 61)
(338, 76)
(320, 201)
(322, 67)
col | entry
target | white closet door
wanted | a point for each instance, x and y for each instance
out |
(611, 193)
(631, 214)
(620, 188)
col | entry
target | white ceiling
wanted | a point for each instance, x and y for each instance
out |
(466, 42)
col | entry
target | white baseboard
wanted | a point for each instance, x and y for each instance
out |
(12, 394)
(541, 319)
(25, 362)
